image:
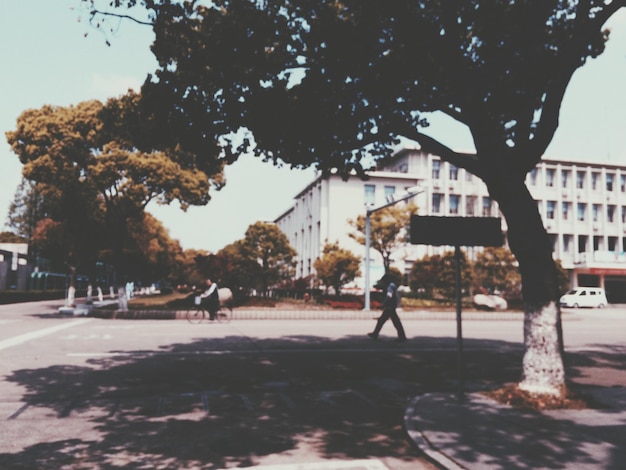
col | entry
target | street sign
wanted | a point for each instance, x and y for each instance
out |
(456, 231)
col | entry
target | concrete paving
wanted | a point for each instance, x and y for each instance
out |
(474, 432)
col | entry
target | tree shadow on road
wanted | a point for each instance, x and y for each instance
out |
(193, 406)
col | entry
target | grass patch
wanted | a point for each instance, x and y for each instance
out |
(158, 301)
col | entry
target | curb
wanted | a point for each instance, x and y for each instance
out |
(251, 314)
(423, 444)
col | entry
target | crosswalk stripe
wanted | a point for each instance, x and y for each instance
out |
(16, 340)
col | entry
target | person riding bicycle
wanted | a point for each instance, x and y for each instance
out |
(210, 299)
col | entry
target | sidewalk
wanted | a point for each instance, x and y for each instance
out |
(479, 433)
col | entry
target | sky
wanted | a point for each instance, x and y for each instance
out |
(50, 57)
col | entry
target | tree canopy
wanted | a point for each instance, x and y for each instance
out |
(93, 179)
(364, 72)
(337, 266)
(434, 276)
(388, 230)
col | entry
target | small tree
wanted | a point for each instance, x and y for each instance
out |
(388, 229)
(496, 269)
(337, 266)
(435, 275)
(26, 210)
(268, 251)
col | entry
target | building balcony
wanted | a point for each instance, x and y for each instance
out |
(602, 262)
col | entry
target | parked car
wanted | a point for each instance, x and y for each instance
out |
(593, 297)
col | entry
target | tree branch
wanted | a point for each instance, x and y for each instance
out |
(557, 88)
(95, 12)
(468, 161)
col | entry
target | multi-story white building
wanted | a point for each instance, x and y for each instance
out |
(583, 205)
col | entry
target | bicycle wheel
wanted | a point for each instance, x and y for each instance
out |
(196, 315)
(224, 314)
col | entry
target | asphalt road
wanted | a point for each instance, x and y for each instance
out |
(82, 393)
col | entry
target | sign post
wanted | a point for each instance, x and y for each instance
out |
(457, 232)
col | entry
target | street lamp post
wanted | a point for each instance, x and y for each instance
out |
(410, 192)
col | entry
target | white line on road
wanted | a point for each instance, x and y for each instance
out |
(10, 342)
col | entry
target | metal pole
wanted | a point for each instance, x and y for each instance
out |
(368, 213)
(366, 307)
(459, 329)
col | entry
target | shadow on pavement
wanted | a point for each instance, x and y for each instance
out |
(191, 406)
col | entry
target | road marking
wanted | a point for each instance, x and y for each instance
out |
(16, 340)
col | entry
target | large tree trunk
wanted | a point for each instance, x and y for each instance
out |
(543, 368)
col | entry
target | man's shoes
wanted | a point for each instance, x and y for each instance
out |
(373, 335)
(212, 318)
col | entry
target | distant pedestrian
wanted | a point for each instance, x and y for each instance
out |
(390, 303)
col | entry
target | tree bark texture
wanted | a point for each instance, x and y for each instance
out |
(543, 368)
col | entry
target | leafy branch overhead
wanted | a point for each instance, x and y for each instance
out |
(364, 72)
(333, 84)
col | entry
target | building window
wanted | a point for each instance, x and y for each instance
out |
(595, 212)
(580, 179)
(582, 243)
(469, 205)
(624, 216)
(581, 209)
(486, 207)
(610, 214)
(454, 203)
(389, 192)
(567, 241)
(550, 209)
(550, 177)
(613, 244)
(622, 183)
(594, 180)
(454, 173)
(597, 243)
(436, 203)
(564, 178)
(533, 177)
(370, 194)
(565, 208)
(468, 176)
(553, 239)
(610, 179)
(436, 169)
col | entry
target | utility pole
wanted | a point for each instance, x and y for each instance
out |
(409, 193)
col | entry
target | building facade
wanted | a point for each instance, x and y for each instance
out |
(583, 205)
(14, 267)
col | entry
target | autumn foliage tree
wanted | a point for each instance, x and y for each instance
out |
(337, 266)
(365, 72)
(388, 230)
(89, 166)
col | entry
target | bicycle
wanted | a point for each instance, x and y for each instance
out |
(198, 313)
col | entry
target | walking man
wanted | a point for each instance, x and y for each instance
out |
(390, 303)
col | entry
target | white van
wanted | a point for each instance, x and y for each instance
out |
(584, 297)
